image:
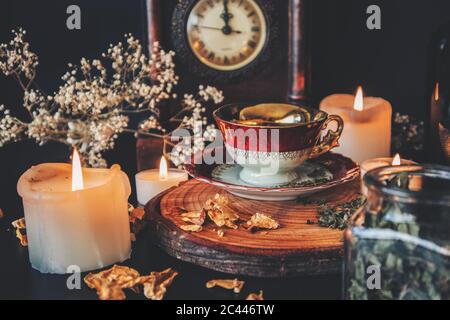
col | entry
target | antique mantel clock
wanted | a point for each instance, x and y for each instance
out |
(251, 49)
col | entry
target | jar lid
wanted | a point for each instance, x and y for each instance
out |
(412, 183)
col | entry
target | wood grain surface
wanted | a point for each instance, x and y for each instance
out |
(296, 248)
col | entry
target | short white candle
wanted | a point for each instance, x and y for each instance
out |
(367, 125)
(383, 162)
(81, 221)
(372, 164)
(150, 183)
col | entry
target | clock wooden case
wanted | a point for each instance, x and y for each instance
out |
(254, 50)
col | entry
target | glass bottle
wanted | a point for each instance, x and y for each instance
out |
(439, 124)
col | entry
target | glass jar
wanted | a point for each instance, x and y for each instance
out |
(397, 246)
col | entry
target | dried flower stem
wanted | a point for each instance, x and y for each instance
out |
(90, 109)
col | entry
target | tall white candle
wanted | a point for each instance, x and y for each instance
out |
(367, 125)
(75, 222)
(151, 182)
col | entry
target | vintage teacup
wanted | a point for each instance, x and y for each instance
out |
(271, 148)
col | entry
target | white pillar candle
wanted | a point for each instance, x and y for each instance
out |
(150, 183)
(367, 125)
(75, 223)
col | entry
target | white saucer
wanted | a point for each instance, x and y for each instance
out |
(342, 169)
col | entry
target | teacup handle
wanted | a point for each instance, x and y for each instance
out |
(331, 139)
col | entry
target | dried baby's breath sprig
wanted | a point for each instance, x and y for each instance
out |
(407, 134)
(233, 284)
(17, 60)
(92, 106)
(193, 128)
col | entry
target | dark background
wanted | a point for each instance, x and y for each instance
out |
(391, 63)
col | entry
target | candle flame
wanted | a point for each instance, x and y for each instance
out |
(436, 92)
(359, 100)
(77, 173)
(163, 172)
(397, 160)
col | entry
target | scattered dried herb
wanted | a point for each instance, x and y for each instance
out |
(256, 296)
(233, 284)
(19, 224)
(155, 284)
(219, 213)
(20, 227)
(311, 173)
(407, 271)
(194, 217)
(217, 210)
(336, 217)
(400, 180)
(309, 201)
(191, 227)
(261, 221)
(136, 214)
(110, 283)
(136, 218)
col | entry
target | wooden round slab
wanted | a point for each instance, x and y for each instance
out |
(296, 248)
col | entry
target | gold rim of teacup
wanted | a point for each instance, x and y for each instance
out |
(294, 125)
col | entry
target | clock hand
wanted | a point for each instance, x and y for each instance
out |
(215, 28)
(226, 16)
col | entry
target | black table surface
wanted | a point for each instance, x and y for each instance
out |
(18, 280)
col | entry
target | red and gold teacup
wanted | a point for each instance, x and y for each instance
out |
(269, 152)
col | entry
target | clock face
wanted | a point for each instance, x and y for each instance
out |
(226, 35)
